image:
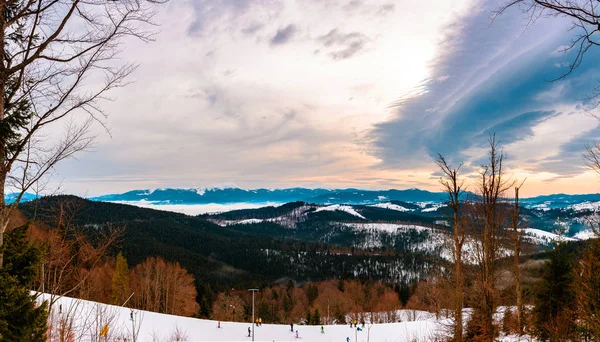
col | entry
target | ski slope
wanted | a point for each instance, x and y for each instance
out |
(90, 317)
(87, 319)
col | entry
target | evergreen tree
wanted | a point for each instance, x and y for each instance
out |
(554, 315)
(316, 318)
(308, 318)
(120, 281)
(22, 318)
(588, 290)
(312, 293)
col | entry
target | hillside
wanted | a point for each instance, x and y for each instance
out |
(298, 243)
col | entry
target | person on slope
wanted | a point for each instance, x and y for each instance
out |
(322, 330)
(347, 339)
(297, 336)
(219, 325)
(292, 327)
(260, 322)
(249, 331)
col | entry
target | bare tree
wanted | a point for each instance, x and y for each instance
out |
(585, 16)
(487, 218)
(454, 188)
(517, 240)
(59, 65)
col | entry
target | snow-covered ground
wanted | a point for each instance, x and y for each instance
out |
(340, 207)
(88, 319)
(391, 206)
(585, 235)
(585, 206)
(197, 209)
(541, 237)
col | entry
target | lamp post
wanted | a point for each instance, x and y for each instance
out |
(252, 290)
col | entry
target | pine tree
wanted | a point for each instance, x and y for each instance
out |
(316, 318)
(588, 290)
(554, 315)
(21, 317)
(312, 293)
(120, 281)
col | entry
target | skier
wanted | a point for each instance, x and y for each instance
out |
(355, 323)
(292, 327)
(358, 329)
(260, 322)
(219, 325)
(297, 336)
(350, 323)
(347, 339)
(322, 330)
(363, 323)
(249, 331)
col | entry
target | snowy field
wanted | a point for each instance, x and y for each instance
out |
(87, 319)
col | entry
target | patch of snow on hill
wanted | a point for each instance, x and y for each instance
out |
(542, 206)
(541, 237)
(386, 227)
(434, 207)
(340, 207)
(585, 235)
(390, 206)
(585, 206)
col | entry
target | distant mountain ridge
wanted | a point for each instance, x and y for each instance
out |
(226, 195)
(237, 195)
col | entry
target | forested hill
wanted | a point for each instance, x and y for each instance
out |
(322, 245)
(396, 242)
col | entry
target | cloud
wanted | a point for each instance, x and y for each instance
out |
(343, 45)
(486, 79)
(283, 35)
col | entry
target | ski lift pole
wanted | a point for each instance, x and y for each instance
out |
(128, 298)
(252, 290)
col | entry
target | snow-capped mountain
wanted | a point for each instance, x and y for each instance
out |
(232, 194)
(236, 195)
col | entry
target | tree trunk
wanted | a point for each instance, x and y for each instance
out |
(458, 305)
(517, 271)
(4, 217)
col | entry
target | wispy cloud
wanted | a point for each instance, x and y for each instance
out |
(492, 79)
(284, 35)
(343, 45)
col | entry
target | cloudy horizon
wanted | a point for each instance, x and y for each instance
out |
(341, 94)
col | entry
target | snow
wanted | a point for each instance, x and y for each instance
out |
(390, 206)
(202, 189)
(340, 207)
(585, 235)
(197, 209)
(389, 227)
(585, 206)
(90, 317)
(434, 207)
(542, 237)
(87, 318)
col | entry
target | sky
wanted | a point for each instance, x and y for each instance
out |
(341, 93)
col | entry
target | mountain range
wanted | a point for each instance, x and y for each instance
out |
(322, 196)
